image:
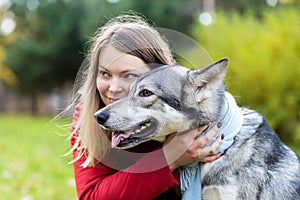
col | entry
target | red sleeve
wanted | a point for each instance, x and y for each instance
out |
(104, 182)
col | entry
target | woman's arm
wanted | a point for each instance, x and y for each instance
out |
(145, 179)
(150, 175)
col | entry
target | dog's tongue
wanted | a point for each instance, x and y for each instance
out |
(116, 138)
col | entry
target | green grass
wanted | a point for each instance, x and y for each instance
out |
(32, 165)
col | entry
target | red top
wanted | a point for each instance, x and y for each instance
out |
(126, 175)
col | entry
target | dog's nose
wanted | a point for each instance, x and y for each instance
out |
(101, 117)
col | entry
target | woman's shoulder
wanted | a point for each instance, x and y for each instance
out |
(75, 119)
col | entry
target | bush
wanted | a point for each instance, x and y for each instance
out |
(264, 57)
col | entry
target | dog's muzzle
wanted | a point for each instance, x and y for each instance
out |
(101, 117)
(130, 136)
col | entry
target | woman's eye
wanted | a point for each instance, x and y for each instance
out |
(103, 73)
(145, 93)
(130, 75)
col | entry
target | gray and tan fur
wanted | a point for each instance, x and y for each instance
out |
(175, 99)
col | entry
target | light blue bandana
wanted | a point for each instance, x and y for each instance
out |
(229, 125)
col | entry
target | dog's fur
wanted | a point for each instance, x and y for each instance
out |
(175, 99)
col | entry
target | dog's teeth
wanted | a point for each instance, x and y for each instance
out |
(137, 131)
(121, 138)
(148, 124)
(143, 127)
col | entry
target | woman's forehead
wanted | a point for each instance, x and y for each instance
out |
(112, 59)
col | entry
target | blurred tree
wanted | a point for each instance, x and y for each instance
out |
(46, 50)
(242, 6)
(174, 14)
(256, 7)
(6, 75)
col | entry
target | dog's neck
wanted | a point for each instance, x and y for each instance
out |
(229, 123)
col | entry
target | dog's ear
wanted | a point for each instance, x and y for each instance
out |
(207, 78)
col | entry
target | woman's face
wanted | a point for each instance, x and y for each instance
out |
(116, 72)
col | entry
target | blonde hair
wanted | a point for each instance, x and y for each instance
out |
(130, 34)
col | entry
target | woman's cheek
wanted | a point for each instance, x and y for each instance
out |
(101, 85)
(126, 85)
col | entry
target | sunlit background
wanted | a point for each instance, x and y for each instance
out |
(43, 43)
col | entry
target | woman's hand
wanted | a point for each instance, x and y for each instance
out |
(183, 149)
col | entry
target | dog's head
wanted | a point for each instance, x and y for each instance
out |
(165, 100)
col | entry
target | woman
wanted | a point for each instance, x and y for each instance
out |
(125, 48)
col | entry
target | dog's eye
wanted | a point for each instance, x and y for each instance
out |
(145, 93)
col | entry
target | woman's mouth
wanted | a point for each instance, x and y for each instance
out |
(112, 100)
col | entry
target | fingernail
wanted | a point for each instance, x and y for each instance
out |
(219, 124)
(222, 136)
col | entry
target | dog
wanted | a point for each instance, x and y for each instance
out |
(171, 99)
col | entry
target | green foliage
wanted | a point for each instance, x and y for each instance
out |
(256, 6)
(46, 50)
(174, 14)
(264, 55)
(32, 165)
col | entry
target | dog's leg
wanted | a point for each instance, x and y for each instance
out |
(219, 193)
(211, 193)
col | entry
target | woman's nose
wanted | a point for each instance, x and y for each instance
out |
(115, 86)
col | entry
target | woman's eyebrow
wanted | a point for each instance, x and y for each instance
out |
(102, 67)
(125, 71)
(132, 71)
(128, 71)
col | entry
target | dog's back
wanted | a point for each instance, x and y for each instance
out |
(257, 166)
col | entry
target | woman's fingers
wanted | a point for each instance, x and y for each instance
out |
(207, 154)
(211, 157)
(201, 129)
(203, 140)
(182, 149)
